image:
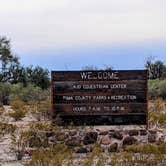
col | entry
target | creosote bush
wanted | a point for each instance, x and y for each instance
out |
(30, 94)
(18, 110)
(157, 88)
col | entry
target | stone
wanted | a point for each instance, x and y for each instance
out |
(143, 132)
(162, 138)
(113, 147)
(81, 150)
(90, 138)
(116, 134)
(106, 140)
(133, 132)
(129, 140)
(72, 132)
(152, 131)
(103, 133)
(52, 140)
(73, 141)
(151, 138)
(50, 134)
(61, 136)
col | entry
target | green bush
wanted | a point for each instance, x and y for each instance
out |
(29, 94)
(5, 90)
(157, 89)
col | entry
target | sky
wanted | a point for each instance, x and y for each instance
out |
(71, 34)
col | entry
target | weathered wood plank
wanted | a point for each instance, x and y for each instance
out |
(78, 97)
(100, 86)
(99, 75)
(100, 109)
(125, 119)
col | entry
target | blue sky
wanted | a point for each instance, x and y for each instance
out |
(119, 57)
(70, 34)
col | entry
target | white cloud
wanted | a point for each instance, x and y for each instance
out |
(49, 24)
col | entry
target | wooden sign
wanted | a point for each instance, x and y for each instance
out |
(116, 97)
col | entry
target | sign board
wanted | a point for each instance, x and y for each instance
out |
(116, 97)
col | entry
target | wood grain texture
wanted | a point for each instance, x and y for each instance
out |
(99, 75)
(123, 119)
(99, 86)
(100, 97)
(100, 109)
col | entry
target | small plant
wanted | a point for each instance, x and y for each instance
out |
(43, 109)
(96, 156)
(18, 145)
(56, 155)
(18, 110)
(1, 109)
(6, 128)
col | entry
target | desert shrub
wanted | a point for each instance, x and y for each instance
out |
(30, 94)
(162, 89)
(43, 109)
(146, 149)
(36, 136)
(18, 110)
(42, 126)
(1, 109)
(151, 158)
(159, 105)
(157, 119)
(5, 90)
(158, 116)
(18, 145)
(96, 156)
(6, 128)
(157, 89)
(56, 155)
(35, 139)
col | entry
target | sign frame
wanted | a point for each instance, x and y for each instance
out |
(64, 79)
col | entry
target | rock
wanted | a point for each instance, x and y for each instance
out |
(106, 140)
(143, 132)
(90, 138)
(81, 150)
(103, 133)
(72, 132)
(161, 138)
(52, 140)
(152, 131)
(113, 147)
(151, 138)
(50, 134)
(117, 135)
(133, 132)
(74, 141)
(129, 140)
(61, 136)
